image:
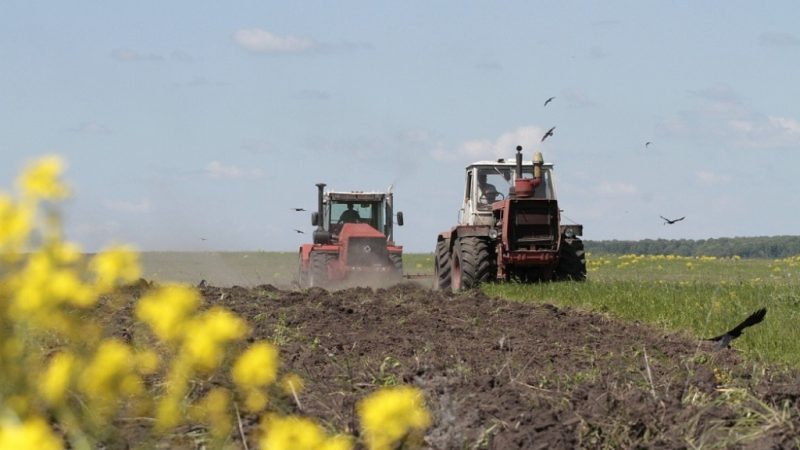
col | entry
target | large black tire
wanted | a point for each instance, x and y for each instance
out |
(473, 263)
(396, 260)
(441, 266)
(571, 260)
(318, 271)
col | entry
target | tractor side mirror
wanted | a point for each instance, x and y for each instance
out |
(400, 218)
(315, 218)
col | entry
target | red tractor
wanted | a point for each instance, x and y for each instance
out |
(509, 229)
(353, 240)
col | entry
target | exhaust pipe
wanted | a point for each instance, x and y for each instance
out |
(519, 162)
(321, 235)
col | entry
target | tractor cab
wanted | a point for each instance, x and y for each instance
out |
(488, 182)
(338, 209)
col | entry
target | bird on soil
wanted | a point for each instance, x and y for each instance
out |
(548, 134)
(299, 231)
(298, 209)
(724, 340)
(548, 100)
(671, 221)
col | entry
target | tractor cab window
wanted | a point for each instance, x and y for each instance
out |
(370, 213)
(493, 184)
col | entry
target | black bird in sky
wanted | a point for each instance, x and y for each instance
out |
(299, 231)
(298, 209)
(724, 340)
(647, 144)
(548, 134)
(671, 221)
(548, 100)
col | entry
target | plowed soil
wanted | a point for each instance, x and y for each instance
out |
(506, 375)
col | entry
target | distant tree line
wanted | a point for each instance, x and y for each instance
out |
(746, 247)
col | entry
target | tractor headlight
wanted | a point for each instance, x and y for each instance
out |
(493, 233)
(569, 233)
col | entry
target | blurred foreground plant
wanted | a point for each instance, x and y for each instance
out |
(66, 383)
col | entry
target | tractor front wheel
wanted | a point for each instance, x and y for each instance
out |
(571, 261)
(473, 263)
(441, 266)
(396, 260)
(318, 272)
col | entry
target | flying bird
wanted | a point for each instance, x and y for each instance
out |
(548, 100)
(548, 134)
(299, 231)
(298, 209)
(671, 221)
(647, 144)
(724, 340)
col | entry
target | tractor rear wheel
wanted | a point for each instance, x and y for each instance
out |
(318, 272)
(396, 259)
(571, 261)
(473, 263)
(441, 266)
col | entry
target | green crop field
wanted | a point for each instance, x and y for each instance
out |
(703, 296)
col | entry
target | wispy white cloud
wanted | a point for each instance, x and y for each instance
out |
(501, 147)
(262, 41)
(722, 118)
(128, 55)
(217, 170)
(616, 188)
(128, 207)
(778, 40)
(709, 178)
(90, 128)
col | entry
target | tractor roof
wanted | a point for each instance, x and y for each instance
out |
(355, 196)
(504, 163)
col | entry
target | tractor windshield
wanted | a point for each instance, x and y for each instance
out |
(370, 212)
(493, 184)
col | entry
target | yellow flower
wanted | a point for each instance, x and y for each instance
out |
(56, 378)
(256, 367)
(41, 179)
(214, 409)
(111, 373)
(207, 335)
(298, 433)
(15, 225)
(292, 384)
(116, 264)
(167, 309)
(392, 414)
(33, 433)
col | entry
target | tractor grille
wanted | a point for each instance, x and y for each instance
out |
(367, 252)
(535, 225)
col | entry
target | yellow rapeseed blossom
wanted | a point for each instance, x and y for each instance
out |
(167, 309)
(392, 414)
(41, 179)
(256, 367)
(298, 433)
(111, 374)
(215, 410)
(207, 335)
(292, 384)
(31, 434)
(16, 223)
(57, 377)
(119, 264)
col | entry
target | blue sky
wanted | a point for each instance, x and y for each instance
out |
(186, 120)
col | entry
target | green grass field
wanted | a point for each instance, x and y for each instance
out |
(701, 296)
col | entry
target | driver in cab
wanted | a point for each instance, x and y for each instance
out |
(488, 193)
(350, 215)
